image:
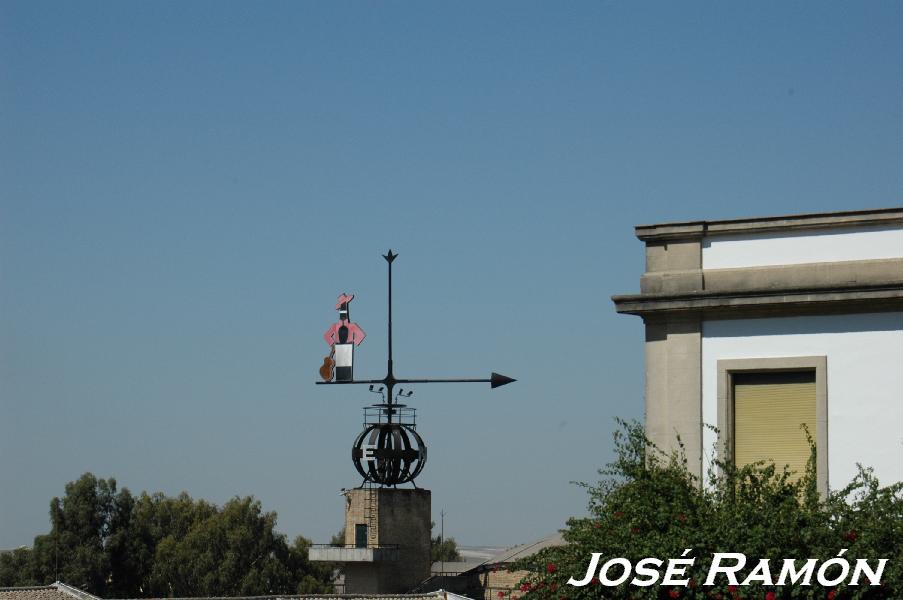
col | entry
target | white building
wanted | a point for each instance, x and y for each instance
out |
(756, 326)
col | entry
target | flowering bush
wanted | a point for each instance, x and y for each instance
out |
(647, 504)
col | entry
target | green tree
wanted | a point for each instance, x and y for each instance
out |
(648, 505)
(338, 539)
(309, 578)
(16, 568)
(83, 522)
(154, 518)
(112, 544)
(443, 549)
(233, 552)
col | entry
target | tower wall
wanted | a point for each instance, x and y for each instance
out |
(394, 517)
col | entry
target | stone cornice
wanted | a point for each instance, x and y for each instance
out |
(783, 302)
(691, 230)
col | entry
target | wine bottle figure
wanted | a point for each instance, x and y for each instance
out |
(341, 337)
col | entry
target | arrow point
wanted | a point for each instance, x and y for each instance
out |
(496, 380)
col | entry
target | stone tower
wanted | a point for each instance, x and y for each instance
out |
(387, 540)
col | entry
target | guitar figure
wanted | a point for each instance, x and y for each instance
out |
(327, 371)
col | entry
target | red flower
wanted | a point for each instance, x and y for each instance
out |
(674, 594)
(595, 581)
(851, 535)
(551, 568)
(682, 517)
(634, 530)
(597, 525)
(770, 596)
(732, 588)
(501, 594)
(525, 587)
(831, 594)
(553, 587)
(618, 514)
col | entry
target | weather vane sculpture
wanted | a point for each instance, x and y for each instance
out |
(388, 451)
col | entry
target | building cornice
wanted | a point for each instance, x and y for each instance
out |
(693, 230)
(757, 303)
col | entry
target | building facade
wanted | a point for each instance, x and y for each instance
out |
(759, 330)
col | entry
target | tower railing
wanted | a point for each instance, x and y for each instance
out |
(399, 414)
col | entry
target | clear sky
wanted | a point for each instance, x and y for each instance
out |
(186, 187)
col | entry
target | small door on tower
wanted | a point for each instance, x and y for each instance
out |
(360, 535)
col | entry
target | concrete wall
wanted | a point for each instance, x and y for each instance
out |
(673, 398)
(865, 381)
(402, 518)
(357, 510)
(801, 247)
(502, 580)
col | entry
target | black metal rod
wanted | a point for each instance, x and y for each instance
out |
(394, 381)
(382, 381)
(386, 382)
(389, 371)
(448, 380)
(390, 376)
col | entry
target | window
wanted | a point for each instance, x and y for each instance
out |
(770, 411)
(762, 404)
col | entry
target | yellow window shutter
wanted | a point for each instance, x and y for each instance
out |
(768, 411)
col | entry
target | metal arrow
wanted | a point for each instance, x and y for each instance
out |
(495, 380)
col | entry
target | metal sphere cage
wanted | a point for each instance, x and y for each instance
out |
(389, 451)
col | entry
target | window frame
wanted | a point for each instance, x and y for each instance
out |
(727, 368)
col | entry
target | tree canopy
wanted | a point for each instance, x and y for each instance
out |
(444, 550)
(113, 544)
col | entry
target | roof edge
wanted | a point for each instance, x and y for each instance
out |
(73, 591)
(698, 229)
(433, 594)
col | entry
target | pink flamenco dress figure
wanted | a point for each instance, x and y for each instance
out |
(342, 337)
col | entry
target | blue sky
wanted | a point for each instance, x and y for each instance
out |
(186, 187)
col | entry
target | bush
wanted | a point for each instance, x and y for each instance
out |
(647, 504)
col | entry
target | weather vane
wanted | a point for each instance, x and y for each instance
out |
(388, 451)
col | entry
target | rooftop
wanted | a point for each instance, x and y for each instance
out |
(54, 591)
(524, 550)
(61, 591)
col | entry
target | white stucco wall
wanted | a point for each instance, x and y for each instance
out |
(767, 249)
(865, 381)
